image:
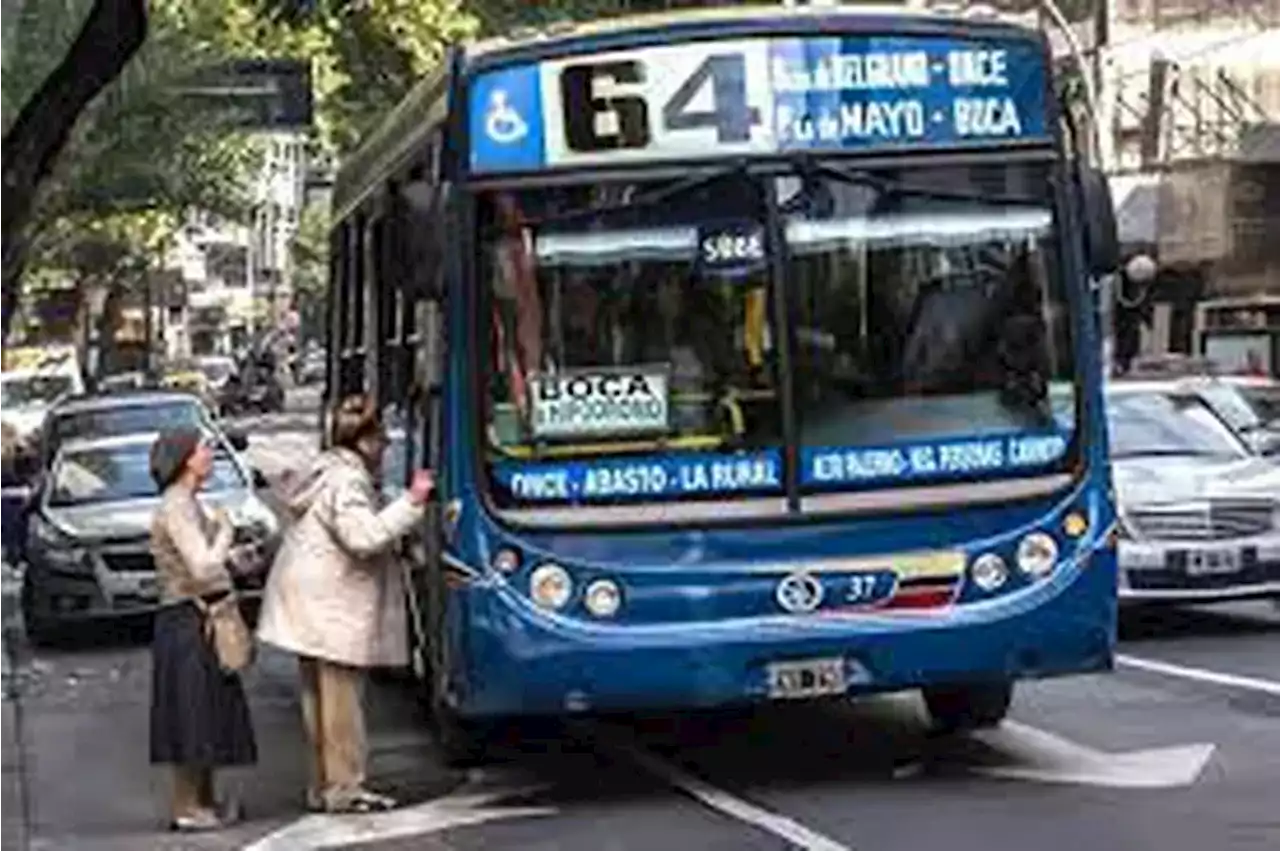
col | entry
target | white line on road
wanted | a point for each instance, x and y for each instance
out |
(732, 806)
(1169, 669)
(464, 807)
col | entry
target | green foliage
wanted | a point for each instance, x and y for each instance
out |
(140, 155)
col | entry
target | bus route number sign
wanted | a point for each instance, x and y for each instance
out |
(757, 96)
(599, 115)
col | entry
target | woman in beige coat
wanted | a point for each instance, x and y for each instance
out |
(336, 598)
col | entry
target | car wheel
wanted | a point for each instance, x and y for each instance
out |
(41, 631)
(968, 707)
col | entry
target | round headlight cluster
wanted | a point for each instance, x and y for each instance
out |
(989, 571)
(506, 560)
(1037, 554)
(603, 598)
(550, 586)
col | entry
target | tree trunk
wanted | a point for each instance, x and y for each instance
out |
(112, 33)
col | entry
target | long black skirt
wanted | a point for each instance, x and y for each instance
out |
(199, 715)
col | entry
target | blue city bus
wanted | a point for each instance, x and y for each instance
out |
(758, 355)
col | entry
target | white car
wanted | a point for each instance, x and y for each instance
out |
(27, 395)
(1199, 510)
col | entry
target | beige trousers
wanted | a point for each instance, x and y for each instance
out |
(334, 718)
(192, 790)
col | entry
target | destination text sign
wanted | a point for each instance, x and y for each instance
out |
(758, 96)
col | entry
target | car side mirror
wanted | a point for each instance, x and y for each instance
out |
(1101, 233)
(259, 478)
(238, 440)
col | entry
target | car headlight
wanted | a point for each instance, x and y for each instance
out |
(989, 571)
(48, 535)
(550, 586)
(1037, 554)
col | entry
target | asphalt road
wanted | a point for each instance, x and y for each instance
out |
(1178, 749)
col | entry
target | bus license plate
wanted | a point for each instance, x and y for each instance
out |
(806, 678)
(1212, 562)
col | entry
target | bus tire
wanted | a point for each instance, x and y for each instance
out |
(954, 709)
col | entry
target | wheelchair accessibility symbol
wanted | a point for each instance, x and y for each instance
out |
(503, 123)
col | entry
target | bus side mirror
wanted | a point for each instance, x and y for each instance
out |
(1101, 233)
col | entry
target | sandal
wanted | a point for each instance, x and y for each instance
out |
(197, 822)
(359, 801)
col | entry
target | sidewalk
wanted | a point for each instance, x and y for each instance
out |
(12, 817)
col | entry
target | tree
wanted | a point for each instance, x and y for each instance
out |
(112, 32)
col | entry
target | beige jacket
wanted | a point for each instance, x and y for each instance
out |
(190, 550)
(336, 589)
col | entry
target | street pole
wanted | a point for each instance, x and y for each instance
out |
(148, 366)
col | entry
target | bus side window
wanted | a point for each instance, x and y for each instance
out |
(351, 365)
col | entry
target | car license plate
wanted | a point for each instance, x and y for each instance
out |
(806, 678)
(1212, 562)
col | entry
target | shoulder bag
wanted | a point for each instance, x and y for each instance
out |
(226, 631)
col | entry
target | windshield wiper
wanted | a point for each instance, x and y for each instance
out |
(861, 177)
(1170, 453)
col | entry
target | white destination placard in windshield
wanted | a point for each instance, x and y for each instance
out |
(576, 404)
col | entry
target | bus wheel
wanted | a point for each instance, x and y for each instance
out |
(969, 707)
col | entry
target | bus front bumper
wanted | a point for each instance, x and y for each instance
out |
(525, 661)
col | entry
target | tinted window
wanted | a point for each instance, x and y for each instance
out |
(927, 318)
(1154, 424)
(107, 474)
(628, 320)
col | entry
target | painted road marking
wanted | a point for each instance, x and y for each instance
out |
(467, 805)
(734, 807)
(1047, 758)
(1169, 669)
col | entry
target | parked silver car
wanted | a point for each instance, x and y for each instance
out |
(1199, 510)
(87, 542)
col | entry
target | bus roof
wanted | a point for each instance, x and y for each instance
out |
(405, 133)
(556, 35)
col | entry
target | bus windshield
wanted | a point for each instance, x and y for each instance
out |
(633, 333)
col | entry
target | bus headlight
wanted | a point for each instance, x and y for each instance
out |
(1037, 554)
(989, 571)
(550, 586)
(506, 560)
(603, 598)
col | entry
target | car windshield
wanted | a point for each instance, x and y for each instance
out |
(1265, 401)
(123, 419)
(101, 474)
(633, 339)
(1148, 424)
(1233, 406)
(21, 391)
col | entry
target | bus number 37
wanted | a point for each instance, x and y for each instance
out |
(618, 120)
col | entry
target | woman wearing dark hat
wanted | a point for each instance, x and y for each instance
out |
(199, 717)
